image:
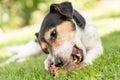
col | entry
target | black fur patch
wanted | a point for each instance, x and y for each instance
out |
(64, 9)
(79, 19)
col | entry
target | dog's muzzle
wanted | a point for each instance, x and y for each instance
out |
(76, 56)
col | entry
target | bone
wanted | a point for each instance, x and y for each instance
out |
(70, 66)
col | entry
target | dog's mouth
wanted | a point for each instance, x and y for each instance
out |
(76, 58)
(77, 54)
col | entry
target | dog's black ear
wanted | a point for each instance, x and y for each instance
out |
(79, 19)
(36, 34)
(37, 37)
(64, 9)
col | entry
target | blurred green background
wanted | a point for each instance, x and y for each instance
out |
(15, 14)
(20, 19)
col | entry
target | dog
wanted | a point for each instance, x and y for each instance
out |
(32, 48)
(63, 30)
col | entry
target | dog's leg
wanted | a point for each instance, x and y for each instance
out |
(48, 62)
(14, 49)
(12, 59)
(21, 60)
(92, 54)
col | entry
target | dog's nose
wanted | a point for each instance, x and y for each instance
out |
(58, 62)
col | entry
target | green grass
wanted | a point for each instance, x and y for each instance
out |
(107, 67)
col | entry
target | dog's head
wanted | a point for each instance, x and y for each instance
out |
(58, 31)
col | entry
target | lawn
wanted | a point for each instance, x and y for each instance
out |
(106, 67)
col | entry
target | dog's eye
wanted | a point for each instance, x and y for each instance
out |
(53, 35)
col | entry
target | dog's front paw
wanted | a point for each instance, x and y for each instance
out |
(88, 61)
(47, 64)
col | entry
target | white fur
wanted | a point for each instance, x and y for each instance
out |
(91, 40)
(32, 48)
(64, 50)
(14, 49)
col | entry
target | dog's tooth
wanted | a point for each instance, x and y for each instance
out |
(75, 61)
(53, 66)
(78, 54)
(80, 57)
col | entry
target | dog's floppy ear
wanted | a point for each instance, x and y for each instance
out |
(64, 9)
(37, 37)
(79, 19)
(36, 34)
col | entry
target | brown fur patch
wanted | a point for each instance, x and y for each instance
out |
(47, 34)
(45, 48)
(65, 32)
(43, 44)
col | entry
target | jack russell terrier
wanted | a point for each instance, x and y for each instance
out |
(64, 32)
